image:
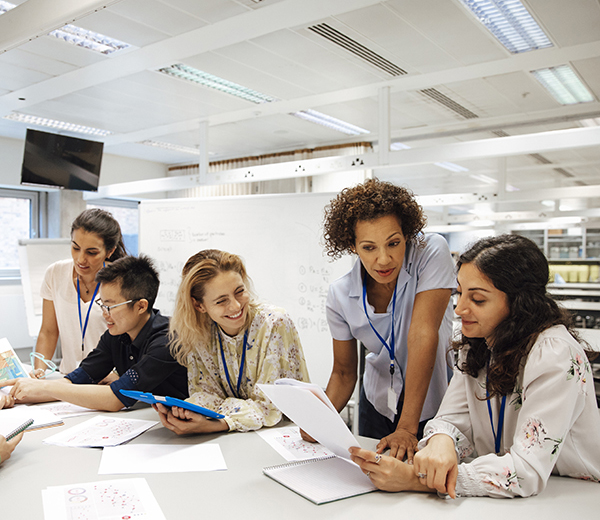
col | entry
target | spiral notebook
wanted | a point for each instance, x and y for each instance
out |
(322, 480)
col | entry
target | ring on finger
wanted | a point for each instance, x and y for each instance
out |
(368, 473)
(422, 475)
(377, 458)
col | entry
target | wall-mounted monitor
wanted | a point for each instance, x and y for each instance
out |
(61, 161)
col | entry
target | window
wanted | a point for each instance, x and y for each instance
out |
(127, 215)
(18, 221)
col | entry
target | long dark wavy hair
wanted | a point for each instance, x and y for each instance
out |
(103, 224)
(516, 266)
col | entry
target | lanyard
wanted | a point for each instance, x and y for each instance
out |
(236, 394)
(389, 348)
(82, 326)
(497, 433)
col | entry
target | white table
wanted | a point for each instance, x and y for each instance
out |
(244, 492)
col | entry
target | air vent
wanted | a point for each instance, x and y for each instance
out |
(538, 157)
(357, 49)
(366, 54)
(436, 95)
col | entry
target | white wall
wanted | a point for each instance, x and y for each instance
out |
(115, 169)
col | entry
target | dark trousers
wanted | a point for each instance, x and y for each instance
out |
(372, 424)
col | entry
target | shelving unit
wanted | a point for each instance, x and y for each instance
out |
(574, 254)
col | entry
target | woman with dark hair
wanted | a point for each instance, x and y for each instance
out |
(69, 290)
(521, 405)
(229, 342)
(396, 302)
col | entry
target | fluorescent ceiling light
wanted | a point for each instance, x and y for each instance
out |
(179, 70)
(451, 166)
(511, 24)
(171, 146)
(79, 36)
(563, 84)
(548, 203)
(52, 123)
(483, 178)
(399, 146)
(89, 39)
(330, 122)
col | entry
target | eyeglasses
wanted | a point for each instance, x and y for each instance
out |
(107, 308)
(48, 362)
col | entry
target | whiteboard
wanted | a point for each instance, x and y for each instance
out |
(279, 238)
(35, 256)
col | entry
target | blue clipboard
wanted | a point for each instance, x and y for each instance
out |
(170, 401)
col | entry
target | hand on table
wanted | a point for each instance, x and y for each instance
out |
(387, 473)
(437, 466)
(6, 401)
(400, 443)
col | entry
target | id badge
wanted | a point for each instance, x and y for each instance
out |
(392, 400)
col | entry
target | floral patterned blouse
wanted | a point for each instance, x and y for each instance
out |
(273, 352)
(551, 423)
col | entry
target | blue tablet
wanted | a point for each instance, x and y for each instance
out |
(170, 401)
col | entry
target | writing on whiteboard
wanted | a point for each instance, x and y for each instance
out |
(313, 286)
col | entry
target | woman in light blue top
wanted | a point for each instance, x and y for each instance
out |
(396, 302)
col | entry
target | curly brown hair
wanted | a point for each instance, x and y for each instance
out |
(368, 201)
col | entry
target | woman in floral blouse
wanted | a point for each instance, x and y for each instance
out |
(229, 343)
(521, 405)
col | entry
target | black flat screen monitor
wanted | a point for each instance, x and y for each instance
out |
(61, 161)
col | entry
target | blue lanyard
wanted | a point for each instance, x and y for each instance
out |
(389, 348)
(497, 433)
(81, 325)
(240, 375)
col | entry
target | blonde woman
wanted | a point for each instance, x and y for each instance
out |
(229, 342)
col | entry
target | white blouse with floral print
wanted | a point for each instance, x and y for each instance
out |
(273, 352)
(551, 423)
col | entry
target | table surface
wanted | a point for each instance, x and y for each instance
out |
(244, 489)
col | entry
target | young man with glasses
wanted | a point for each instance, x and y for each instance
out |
(135, 346)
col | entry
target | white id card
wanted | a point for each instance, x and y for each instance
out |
(392, 400)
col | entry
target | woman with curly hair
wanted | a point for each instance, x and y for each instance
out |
(229, 342)
(396, 302)
(521, 405)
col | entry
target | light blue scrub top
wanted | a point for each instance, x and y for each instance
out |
(424, 268)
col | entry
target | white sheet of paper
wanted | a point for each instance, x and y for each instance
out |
(289, 444)
(125, 498)
(311, 414)
(100, 431)
(161, 458)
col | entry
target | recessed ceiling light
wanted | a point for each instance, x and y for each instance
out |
(79, 36)
(511, 23)
(171, 146)
(564, 85)
(179, 70)
(330, 122)
(53, 123)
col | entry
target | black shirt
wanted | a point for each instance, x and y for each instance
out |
(144, 364)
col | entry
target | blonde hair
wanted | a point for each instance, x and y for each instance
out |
(190, 329)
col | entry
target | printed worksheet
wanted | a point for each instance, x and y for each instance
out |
(101, 431)
(105, 500)
(64, 409)
(289, 444)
